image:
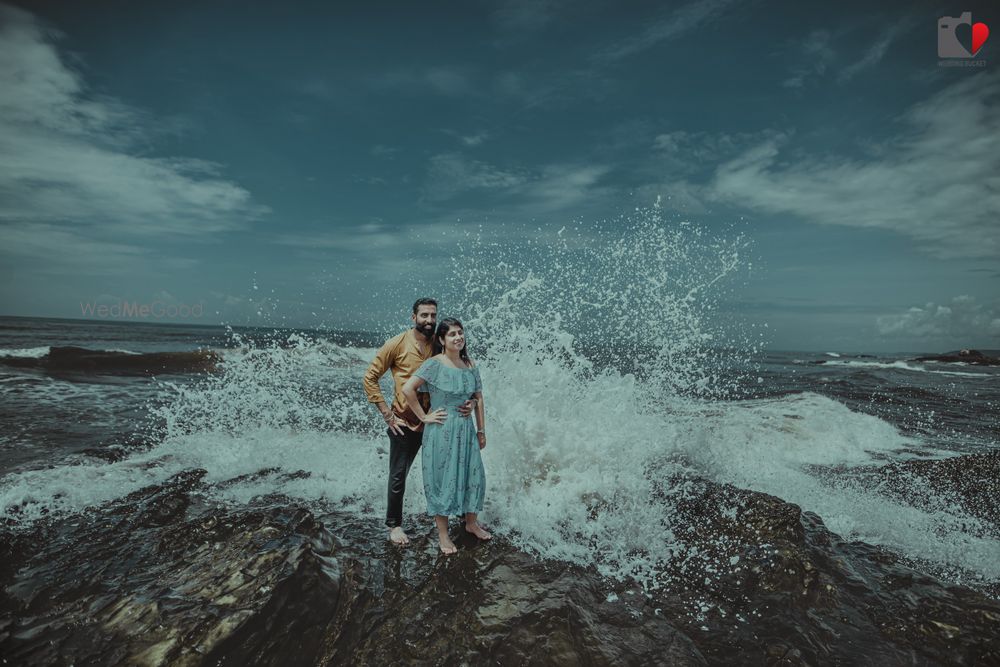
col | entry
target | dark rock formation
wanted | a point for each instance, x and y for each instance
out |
(974, 357)
(810, 597)
(162, 578)
(70, 359)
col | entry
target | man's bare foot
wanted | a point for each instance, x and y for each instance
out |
(399, 537)
(447, 546)
(478, 531)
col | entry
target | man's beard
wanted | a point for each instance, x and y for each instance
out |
(426, 329)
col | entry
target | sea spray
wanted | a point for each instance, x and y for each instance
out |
(609, 370)
(640, 295)
(613, 383)
(593, 344)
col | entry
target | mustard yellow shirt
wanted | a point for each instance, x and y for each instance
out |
(403, 357)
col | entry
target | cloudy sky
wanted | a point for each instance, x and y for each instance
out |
(317, 163)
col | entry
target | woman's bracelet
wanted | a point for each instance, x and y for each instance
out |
(483, 431)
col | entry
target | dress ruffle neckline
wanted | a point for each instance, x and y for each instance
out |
(463, 381)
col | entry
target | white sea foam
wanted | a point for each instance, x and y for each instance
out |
(772, 446)
(26, 352)
(900, 365)
(553, 457)
(38, 352)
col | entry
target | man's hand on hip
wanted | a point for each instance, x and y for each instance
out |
(395, 423)
(465, 409)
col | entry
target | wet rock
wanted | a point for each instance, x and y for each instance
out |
(162, 578)
(767, 575)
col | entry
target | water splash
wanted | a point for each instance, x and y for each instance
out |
(611, 376)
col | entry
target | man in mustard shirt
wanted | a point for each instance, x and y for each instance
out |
(403, 355)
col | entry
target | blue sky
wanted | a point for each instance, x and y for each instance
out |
(317, 163)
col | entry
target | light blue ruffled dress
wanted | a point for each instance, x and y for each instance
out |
(454, 479)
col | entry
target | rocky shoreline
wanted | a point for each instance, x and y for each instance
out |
(164, 578)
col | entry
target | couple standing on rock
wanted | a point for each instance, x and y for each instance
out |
(437, 391)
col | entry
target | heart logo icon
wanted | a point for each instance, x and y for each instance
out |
(980, 32)
(950, 44)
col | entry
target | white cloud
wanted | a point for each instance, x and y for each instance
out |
(681, 21)
(469, 140)
(509, 84)
(228, 299)
(379, 150)
(963, 319)
(475, 139)
(875, 52)
(386, 246)
(520, 193)
(67, 159)
(686, 152)
(368, 253)
(937, 181)
(562, 187)
(680, 156)
(677, 195)
(58, 250)
(452, 173)
(525, 15)
(813, 57)
(358, 238)
(450, 81)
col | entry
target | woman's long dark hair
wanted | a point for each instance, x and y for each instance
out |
(444, 326)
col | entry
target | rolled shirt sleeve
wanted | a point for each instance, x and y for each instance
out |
(382, 362)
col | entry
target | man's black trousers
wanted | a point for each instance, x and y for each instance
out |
(402, 450)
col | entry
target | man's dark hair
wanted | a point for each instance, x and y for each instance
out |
(423, 302)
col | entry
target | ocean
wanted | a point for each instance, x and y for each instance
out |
(602, 463)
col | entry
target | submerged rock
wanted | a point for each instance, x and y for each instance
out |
(162, 577)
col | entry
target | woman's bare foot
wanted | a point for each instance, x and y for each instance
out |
(447, 546)
(398, 536)
(478, 531)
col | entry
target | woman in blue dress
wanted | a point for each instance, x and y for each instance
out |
(454, 480)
